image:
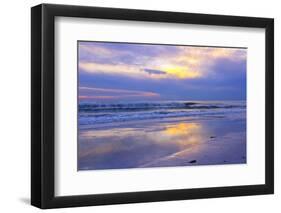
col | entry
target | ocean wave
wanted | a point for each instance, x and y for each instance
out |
(144, 106)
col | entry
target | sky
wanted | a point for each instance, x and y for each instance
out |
(112, 72)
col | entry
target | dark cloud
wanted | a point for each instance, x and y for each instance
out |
(153, 71)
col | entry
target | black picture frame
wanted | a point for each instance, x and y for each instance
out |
(43, 102)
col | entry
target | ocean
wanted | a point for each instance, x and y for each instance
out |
(161, 134)
(91, 114)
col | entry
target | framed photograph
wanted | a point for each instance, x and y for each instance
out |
(140, 106)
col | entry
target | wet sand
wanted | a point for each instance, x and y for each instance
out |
(163, 143)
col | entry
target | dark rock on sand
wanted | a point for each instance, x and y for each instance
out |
(193, 161)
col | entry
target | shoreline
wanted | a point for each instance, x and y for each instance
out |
(99, 126)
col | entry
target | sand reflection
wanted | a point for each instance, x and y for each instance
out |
(139, 146)
(151, 144)
(185, 134)
(187, 138)
(183, 129)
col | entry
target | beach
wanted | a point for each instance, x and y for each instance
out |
(179, 134)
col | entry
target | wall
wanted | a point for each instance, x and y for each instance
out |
(15, 107)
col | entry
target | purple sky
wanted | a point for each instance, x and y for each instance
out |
(142, 72)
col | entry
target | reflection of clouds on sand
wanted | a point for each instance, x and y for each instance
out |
(187, 136)
(162, 144)
(229, 149)
(90, 134)
(98, 150)
(182, 129)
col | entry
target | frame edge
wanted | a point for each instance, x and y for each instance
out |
(269, 113)
(36, 50)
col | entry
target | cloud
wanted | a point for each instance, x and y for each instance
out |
(196, 62)
(116, 53)
(227, 83)
(95, 97)
(110, 93)
(152, 71)
(143, 61)
(120, 69)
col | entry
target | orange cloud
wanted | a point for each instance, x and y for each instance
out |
(85, 97)
(104, 93)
